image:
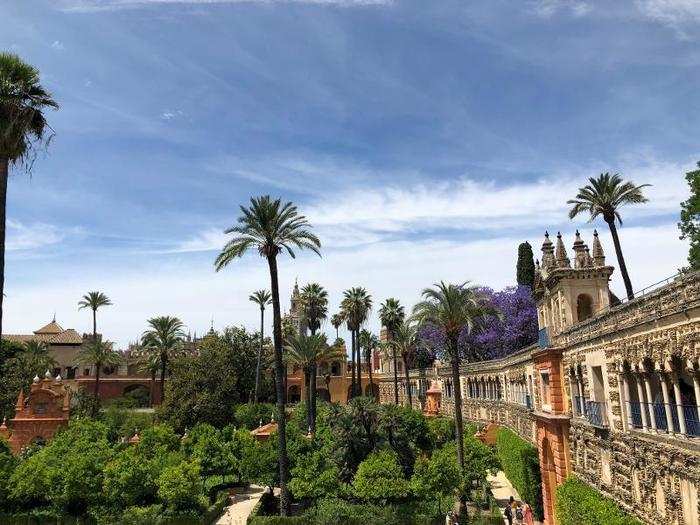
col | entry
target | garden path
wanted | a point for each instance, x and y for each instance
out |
(242, 503)
(502, 490)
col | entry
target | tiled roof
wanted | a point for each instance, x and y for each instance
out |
(52, 328)
(69, 336)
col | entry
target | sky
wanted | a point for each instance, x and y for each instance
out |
(423, 140)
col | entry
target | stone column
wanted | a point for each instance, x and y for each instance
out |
(623, 392)
(581, 406)
(667, 402)
(679, 402)
(642, 403)
(696, 387)
(576, 395)
(647, 388)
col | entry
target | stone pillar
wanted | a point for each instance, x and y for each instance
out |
(628, 408)
(667, 402)
(696, 388)
(623, 396)
(647, 389)
(679, 402)
(642, 404)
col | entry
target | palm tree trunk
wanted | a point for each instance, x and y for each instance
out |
(409, 395)
(396, 376)
(621, 259)
(307, 391)
(359, 363)
(97, 380)
(94, 325)
(153, 383)
(260, 349)
(371, 381)
(279, 373)
(352, 363)
(4, 173)
(163, 365)
(312, 392)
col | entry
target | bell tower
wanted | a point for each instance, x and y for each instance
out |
(567, 295)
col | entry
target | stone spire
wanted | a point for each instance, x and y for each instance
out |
(580, 249)
(20, 401)
(561, 257)
(548, 262)
(598, 255)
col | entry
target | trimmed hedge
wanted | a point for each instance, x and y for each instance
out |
(580, 504)
(520, 463)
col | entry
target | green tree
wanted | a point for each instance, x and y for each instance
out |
(604, 196)
(262, 298)
(314, 306)
(379, 478)
(454, 309)
(180, 487)
(690, 218)
(164, 337)
(269, 226)
(525, 270)
(391, 315)
(368, 343)
(403, 343)
(94, 301)
(23, 128)
(337, 321)
(17, 370)
(98, 354)
(438, 476)
(355, 308)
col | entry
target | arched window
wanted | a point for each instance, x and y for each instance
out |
(584, 307)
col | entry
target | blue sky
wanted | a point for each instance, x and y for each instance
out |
(424, 140)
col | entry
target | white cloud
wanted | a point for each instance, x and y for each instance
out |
(171, 114)
(22, 236)
(111, 5)
(548, 8)
(683, 16)
(193, 291)
(58, 45)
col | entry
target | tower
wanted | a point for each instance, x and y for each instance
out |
(296, 311)
(567, 295)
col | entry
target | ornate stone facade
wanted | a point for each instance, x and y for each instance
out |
(610, 393)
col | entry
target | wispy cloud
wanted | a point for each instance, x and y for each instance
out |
(57, 45)
(112, 5)
(548, 8)
(683, 16)
(22, 236)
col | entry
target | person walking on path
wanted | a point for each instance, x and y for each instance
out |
(508, 511)
(529, 519)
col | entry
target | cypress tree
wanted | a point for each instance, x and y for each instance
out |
(526, 265)
(690, 218)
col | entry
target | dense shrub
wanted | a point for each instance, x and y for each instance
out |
(251, 415)
(438, 476)
(580, 504)
(380, 478)
(442, 430)
(520, 463)
(180, 487)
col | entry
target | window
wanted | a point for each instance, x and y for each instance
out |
(40, 408)
(70, 372)
(86, 372)
(335, 369)
(545, 390)
(584, 307)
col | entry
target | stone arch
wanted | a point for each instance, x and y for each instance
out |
(141, 394)
(293, 394)
(584, 307)
(323, 394)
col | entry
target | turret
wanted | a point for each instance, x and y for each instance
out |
(548, 261)
(561, 257)
(598, 255)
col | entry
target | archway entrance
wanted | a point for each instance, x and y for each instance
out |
(140, 395)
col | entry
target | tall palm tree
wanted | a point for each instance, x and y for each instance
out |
(336, 321)
(314, 307)
(93, 301)
(164, 337)
(262, 298)
(23, 128)
(270, 226)
(100, 354)
(368, 343)
(404, 343)
(391, 315)
(355, 306)
(149, 362)
(604, 196)
(454, 309)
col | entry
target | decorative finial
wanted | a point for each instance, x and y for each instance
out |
(36, 378)
(47, 375)
(272, 418)
(580, 259)
(59, 378)
(597, 251)
(548, 261)
(561, 257)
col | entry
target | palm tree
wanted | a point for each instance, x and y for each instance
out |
(404, 343)
(23, 128)
(149, 362)
(269, 226)
(262, 298)
(100, 354)
(336, 321)
(314, 306)
(604, 196)
(35, 349)
(93, 301)
(454, 309)
(355, 308)
(164, 338)
(368, 343)
(391, 315)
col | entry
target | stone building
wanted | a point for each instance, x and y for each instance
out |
(609, 393)
(39, 415)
